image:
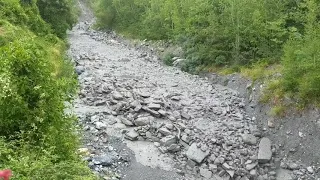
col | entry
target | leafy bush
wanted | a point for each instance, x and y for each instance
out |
(28, 16)
(33, 163)
(37, 139)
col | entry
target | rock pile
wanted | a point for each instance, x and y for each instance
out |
(206, 136)
(203, 127)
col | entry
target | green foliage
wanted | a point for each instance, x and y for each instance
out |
(230, 33)
(60, 14)
(13, 12)
(168, 59)
(213, 32)
(33, 163)
(301, 57)
(37, 139)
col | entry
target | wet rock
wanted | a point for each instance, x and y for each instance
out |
(205, 173)
(80, 70)
(196, 154)
(132, 135)
(265, 153)
(249, 139)
(105, 160)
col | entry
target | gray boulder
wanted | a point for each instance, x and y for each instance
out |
(265, 153)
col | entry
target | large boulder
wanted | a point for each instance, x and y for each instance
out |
(265, 153)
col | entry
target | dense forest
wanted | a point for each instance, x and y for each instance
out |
(232, 34)
(37, 139)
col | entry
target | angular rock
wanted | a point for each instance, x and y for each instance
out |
(142, 121)
(154, 106)
(231, 173)
(251, 166)
(174, 148)
(100, 103)
(126, 122)
(132, 135)
(206, 173)
(136, 105)
(196, 154)
(191, 163)
(175, 98)
(152, 112)
(310, 170)
(162, 112)
(100, 125)
(249, 139)
(164, 131)
(216, 177)
(265, 153)
(168, 140)
(176, 115)
(185, 138)
(226, 166)
(117, 96)
(80, 70)
(283, 174)
(105, 160)
(185, 115)
(144, 94)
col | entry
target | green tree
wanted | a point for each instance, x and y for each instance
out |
(60, 14)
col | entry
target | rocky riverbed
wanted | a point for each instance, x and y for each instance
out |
(143, 120)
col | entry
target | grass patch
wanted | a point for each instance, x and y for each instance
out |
(168, 59)
(278, 111)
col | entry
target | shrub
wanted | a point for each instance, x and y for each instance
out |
(168, 59)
